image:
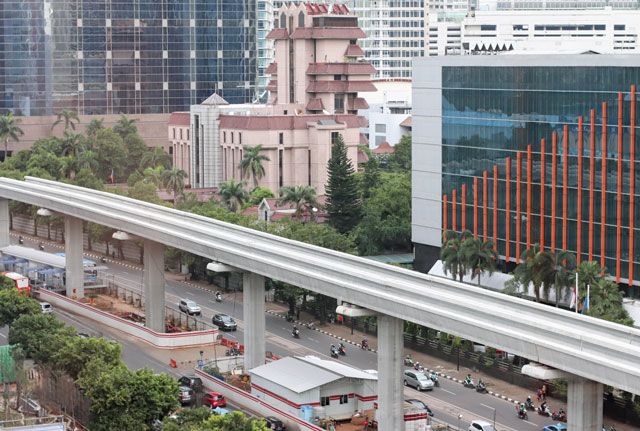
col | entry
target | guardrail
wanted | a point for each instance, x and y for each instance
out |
(581, 345)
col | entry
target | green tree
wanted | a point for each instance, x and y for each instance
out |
(233, 194)
(68, 117)
(605, 302)
(153, 176)
(386, 217)
(155, 157)
(72, 144)
(126, 400)
(452, 253)
(251, 163)
(13, 304)
(343, 203)
(479, 256)
(39, 335)
(400, 160)
(589, 273)
(303, 198)
(94, 126)
(111, 154)
(144, 191)
(9, 129)
(76, 352)
(318, 234)
(173, 179)
(201, 419)
(370, 177)
(538, 270)
(564, 265)
(136, 149)
(6, 283)
(125, 126)
(48, 162)
(259, 193)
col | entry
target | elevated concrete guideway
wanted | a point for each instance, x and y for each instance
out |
(590, 348)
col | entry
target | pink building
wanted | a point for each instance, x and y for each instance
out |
(180, 142)
(316, 77)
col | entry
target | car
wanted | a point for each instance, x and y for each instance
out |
(214, 399)
(274, 423)
(192, 382)
(46, 307)
(419, 404)
(219, 411)
(186, 395)
(479, 425)
(557, 427)
(224, 322)
(190, 307)
(417, 380)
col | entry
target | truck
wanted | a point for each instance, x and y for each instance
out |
(21, 281)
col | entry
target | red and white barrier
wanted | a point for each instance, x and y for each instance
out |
(157, 339)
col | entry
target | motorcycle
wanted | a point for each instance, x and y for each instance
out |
(468, 383)
(419, 368)
(20, 240)
(334, 352)
(41, 246)
(529, 405)
(296, 333)
(233, 352)
(522, 414)
(481, 388)
(559, 416)
(218, 297)
(364, 345)
(342, 350)
(434, 379)
(408, 362)
(544, 412)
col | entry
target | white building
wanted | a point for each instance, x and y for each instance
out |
(389, 109)
(264, 46)
(602, 31)
(293, 382)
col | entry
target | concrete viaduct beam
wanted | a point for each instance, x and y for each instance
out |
(154, 288)
(73, 247)
(390, 387)
(254, 319)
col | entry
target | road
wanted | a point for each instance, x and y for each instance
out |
(447, 401)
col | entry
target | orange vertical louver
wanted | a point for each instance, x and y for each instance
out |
(463, 209)
(565, 180)
(592, 176)
(453, 210)
(542, 187)
(529, 175)
(619, 208)
(507, 216)
(554, 166)
(518, 221)
(475, 207)
(444, 213)
(495, 207)
(632, 178)
(579, 218)
(484, 205)
(603, 199)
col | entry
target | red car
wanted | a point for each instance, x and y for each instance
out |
(214, 399)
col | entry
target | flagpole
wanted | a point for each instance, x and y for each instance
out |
(577, 297)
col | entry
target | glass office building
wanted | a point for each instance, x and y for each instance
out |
(124, 56)
(523, 145)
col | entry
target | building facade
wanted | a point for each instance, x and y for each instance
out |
(180, 142)
(100, 57)
(314, 99)
(513, 148)
(388, 112)
(535, 31)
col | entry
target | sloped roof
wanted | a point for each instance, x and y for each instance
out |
(360, 103)
(339, 368)
(354, 50)
(340, 86)
(363, 139)
(214, 99)
(327, 33)
(272, 69)
(340, 68)
(362, 157)
(383, 148)
(278, 33)
(179, 119)
(315, 104)
(285, 122)
(406, 122)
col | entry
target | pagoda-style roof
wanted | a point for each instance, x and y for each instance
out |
(406, 122)
(278, 33)
(354, 50)
(327, 33)
(315, 104)
(340, 69)
(215, 99)
(340, 86)
(272, 69)
(272, 86)
(360, 103)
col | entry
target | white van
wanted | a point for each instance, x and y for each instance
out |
(46, 307)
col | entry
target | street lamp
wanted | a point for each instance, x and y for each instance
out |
(459, 419)
(122, 236)
(44, 212)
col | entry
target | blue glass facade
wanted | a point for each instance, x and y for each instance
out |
(491, 113)
(124, 56)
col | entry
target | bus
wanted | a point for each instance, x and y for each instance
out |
(21, 281)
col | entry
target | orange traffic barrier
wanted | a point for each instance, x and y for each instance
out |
(172, 363)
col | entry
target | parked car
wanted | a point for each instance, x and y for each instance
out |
(557, 427)
(478, 425)
(274, 423)
(219, 411)
(46, 307)
(224, 322)
(190, 307)
(417, 380)
(214, 399)
(192, 382)
(186, 395)
(419, 404)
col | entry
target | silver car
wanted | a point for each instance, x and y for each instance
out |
(417, 380)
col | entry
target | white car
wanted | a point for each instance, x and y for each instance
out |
(479, 425)
(46, 307)
(190, 307)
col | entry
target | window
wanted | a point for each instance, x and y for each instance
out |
(281, 138)
(171, 150)
(281, 182)
(339, 103)
(344, 399)
(232, 137)
(180, 134)
(619, 27)
(224, 137)
(309, 166)
(487, 27)
(174, 133)
(301, 19)
(334, 137)
(381, 128)
(187, 134)
(337, 77)
(240, 138)
(380, 139)
(283, 21)
(324, 401)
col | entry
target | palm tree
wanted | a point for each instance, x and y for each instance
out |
(69, 118)
(94, 126)
(155, 157)
(125, 126)
(233, 194)
(479, 256)
(563, 269)
(605, 302)
(154, 176)
(173, 179)
(251, 163)
(301, 197)
(537, 269)
(87, 160)
(9, 129)
(452, 253)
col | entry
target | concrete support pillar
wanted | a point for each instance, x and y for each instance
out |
(4, 222)
(254, 319)
(153, 280)
(390, 368)
(584, 405)
(73, 247)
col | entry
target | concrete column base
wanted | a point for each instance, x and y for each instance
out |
(584, 405)
(4, 223)
(390, 413)
(254, 319)
(74, 267)
(154, 289)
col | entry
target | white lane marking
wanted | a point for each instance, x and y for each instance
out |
(449, 392)
(530, 423)
(189, 293)
(489, 407)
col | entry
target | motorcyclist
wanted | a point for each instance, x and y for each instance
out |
(529, 402)
(295, 332)
(341, 348)
(522, 411)
(544, 408)
(468, 380)
(480, 383)
(365, 343)
(218, 296)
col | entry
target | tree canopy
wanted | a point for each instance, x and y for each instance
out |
(14, 304)
(343, 201)
(201, 419)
